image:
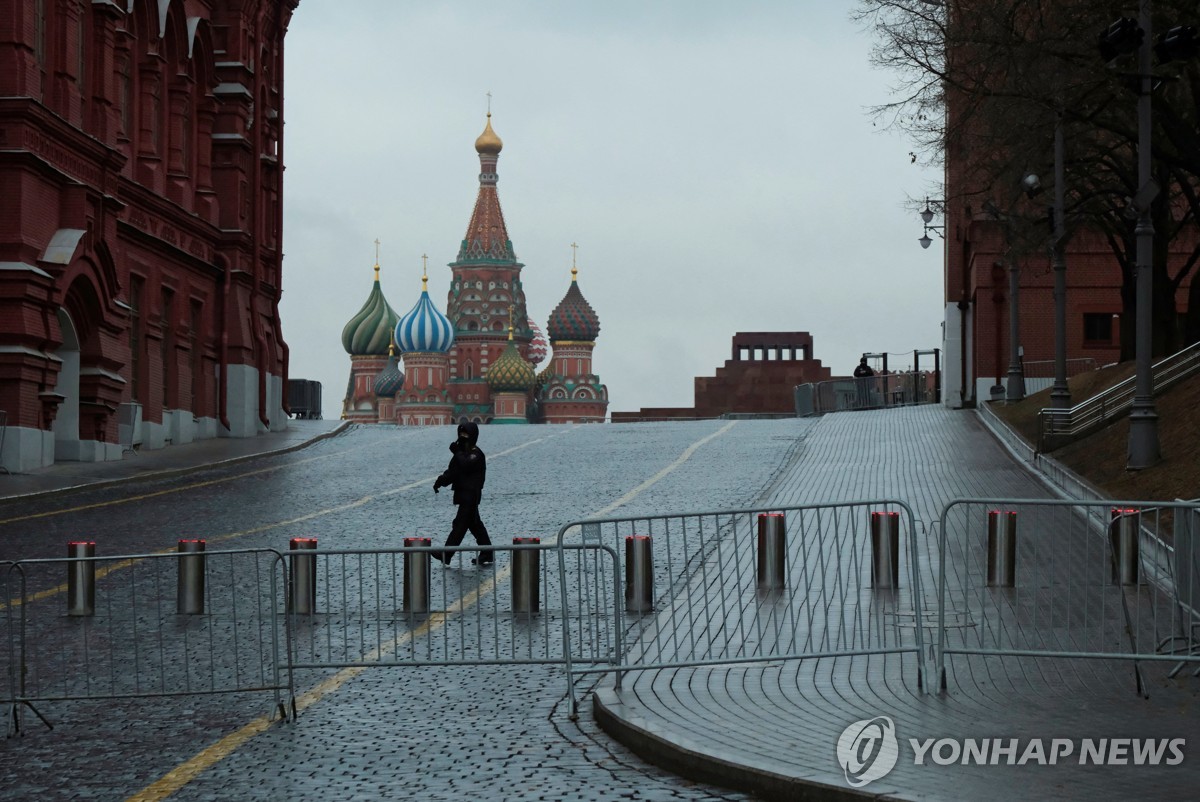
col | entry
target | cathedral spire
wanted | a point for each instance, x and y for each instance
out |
(487, 236)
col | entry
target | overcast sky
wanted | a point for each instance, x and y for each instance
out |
(714, 160)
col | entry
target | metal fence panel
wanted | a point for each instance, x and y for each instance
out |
(135, 643)
(708, 605)
(1094, 579)
(360, 618)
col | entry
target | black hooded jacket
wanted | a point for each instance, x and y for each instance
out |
(468, 467)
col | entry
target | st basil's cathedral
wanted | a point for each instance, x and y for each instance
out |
(477, 361)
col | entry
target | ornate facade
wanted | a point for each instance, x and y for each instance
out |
(476, 363)
(367, 338)
(425, 336)
(568, 391)
(485, 281)
(141, 160)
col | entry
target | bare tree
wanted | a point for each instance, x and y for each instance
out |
(983, 83)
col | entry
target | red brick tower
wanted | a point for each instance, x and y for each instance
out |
(486, 280)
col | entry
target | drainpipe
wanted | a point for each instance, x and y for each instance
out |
(256, 232)
(223, 390)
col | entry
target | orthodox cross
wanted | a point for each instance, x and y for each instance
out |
(574, 253)
(489, 96)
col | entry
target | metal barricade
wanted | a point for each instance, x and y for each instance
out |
(1092, 583)
(709, 610)
(471, 620)
(134, 642)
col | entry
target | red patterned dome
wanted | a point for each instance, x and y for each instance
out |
(539, 348)
(573, 318)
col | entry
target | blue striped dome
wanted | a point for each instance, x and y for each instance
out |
(424, 329)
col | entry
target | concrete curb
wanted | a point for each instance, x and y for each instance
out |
(168, 473)
(692, 763)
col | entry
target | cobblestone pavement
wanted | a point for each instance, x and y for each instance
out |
(774, 727)
(420, 732)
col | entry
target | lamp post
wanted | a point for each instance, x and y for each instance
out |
(1060, 396)
(1122, 37)
(1014, 388)
(1143, 418)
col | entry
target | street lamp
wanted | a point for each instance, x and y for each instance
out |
(927, 218)
(1014, 388)
(1124, 37)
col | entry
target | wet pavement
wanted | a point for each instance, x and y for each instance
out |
(462, 732)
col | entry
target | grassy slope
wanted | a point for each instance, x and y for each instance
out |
(1100, 458)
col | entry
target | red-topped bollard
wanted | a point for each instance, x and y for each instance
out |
(1123, 531)
(81, 578)
(526, 569)
(416, 575)
(772, 551)
(885, 550)
(639, 574)
(189, 595)
(303, 576)
(1002, 549)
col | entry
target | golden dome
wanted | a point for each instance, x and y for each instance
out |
(488, 142)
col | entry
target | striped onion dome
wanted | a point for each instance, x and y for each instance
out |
(390, 379)
(424, 329)
(573, 318)
(510, 373)
(538, 347)
(369, 333)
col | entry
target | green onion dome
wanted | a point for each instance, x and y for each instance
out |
(369, 333)
(511, 373)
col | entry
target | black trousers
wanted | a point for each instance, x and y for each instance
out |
(467, 519)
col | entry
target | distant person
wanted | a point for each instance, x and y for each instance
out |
(466, 474)
(863, 375)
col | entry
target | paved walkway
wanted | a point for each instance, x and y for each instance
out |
(165, 462)
(773, 728)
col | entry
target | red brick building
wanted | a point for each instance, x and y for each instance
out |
(760, 377)
(141, 162)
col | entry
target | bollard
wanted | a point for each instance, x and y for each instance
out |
(526, 565)
(772, 551)
(81, 578)
(189, 596)
(1002, 549)
(303, 577)
(1123, 533)
(416, 576)
(639, 575)
(885, 550)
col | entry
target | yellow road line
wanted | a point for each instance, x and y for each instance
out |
(185, 772)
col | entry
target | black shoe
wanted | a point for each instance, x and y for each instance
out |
(441, 557)
(483, 562)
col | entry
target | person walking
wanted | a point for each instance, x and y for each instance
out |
(466, 474)
(862, 378)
